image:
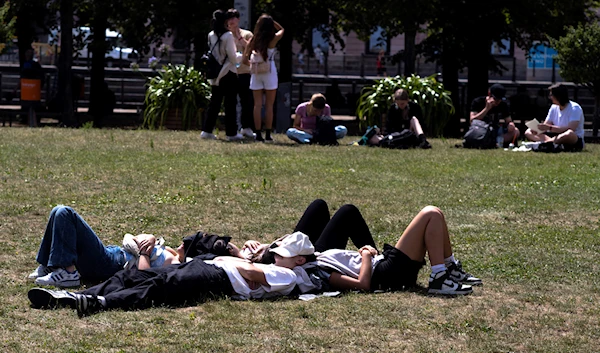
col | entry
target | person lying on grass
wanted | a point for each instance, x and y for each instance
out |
(71, 249)
(190, 282)
(397, 268)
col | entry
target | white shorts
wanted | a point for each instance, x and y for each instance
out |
(266, 81)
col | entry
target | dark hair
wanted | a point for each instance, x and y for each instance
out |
(231, 13)
(560, 92)
(318, 101)
(264, 32)
(218, 22)
(310, 258)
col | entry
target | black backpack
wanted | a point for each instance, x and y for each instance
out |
(480, 135)
(210, 65)
(324, 132)
(400, 140)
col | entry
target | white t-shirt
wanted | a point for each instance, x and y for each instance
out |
(281, 280)
(346, 262)
(562, 118)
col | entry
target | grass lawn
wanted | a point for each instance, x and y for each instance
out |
(526, 223)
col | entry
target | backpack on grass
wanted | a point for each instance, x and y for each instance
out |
(400, 140)
(480, 135)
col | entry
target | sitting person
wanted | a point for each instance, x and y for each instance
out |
(70, 249)
(492, 109)
(405, 115)
(397, 268)
(305, 120)
(564, 122)
(190, 282)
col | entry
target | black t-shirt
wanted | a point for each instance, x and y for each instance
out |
(501, 111)
(395, 117)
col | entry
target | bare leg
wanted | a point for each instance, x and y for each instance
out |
(426, 232)
(415, 126)
(568, 137)
(258, 99)
(536, 137)
(512, 133)
(269, 102)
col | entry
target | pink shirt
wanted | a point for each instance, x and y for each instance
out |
(309, 122)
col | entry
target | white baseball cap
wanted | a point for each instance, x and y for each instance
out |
(295, 244)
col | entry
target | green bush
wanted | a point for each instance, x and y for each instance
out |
(427, 92)
(177, 87)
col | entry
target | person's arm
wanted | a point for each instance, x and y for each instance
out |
(475, 115)
(146, 242)
(251, 273)
(278, 34)
(297, 121)
(247, 53)
(363, 282)
(144, 260)
(231, 50)
(327, 110)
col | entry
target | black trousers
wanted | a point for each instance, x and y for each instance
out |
(173, 285)
(324, 233)
(246, 101)
(225, 92)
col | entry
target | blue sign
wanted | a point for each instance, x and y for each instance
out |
(541, 57)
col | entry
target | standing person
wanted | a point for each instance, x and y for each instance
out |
(405, 115)
(493, 108)
(564, 122)
(381, 63)
(261, 49)
(305, 119)
(225, 86)
(241, 38)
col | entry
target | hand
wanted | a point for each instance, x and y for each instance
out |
(252, 245)
(489, 102)
(370, 249)
(544, 127)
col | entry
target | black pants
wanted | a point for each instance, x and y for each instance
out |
(172, 285)
(225, 91)
(324, 233)
(246, 101)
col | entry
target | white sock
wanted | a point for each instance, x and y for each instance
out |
(450, 260)
(437, 268)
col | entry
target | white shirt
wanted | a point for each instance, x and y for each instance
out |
(281, 280)
(562, 118)
(226, 47)
(346, 262)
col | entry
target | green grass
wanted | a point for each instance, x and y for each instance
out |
(526, 223)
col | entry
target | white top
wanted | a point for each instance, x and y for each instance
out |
(346, 262)
(281, 280)
(562, 118)
(226, 47)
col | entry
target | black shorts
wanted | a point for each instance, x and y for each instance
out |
(396, 271)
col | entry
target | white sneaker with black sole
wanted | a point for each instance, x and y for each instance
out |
(207, 136)
(459, 275)
(60, 278)
(441, 283)
(40, 271)
(247, 132)
(237, 137)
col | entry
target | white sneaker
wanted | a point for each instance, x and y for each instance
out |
(236, 137)
(441, 283)
(247, 132)
(59, 278)
(207, 135)
(40, 271)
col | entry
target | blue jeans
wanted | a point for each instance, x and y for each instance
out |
(69, 240)
(304, 137)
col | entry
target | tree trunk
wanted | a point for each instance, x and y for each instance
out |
(199, 45)
(478, 69)
(65, 61)
(450, 79)
(25, 31)
(98, 50)
(409, 52)
(283, 14)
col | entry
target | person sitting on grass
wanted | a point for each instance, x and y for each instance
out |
(305, 120)
(397, 268)
(71, 249)
(564, 122)
(405, 115)
(190, 282)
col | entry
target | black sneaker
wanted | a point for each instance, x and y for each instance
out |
(442, 284)
(425, 145)
(459, 275)
(51, 299)
(258, 137)
(268, 139)
(88, 305)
